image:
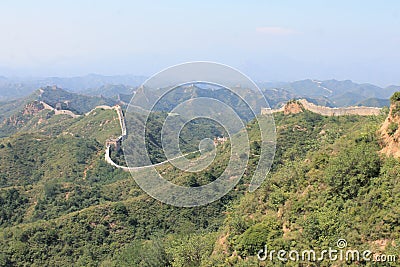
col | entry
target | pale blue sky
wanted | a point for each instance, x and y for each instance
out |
(268, 40)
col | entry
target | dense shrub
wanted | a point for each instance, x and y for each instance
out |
(395, 97)
(257, 236)
(392, 128)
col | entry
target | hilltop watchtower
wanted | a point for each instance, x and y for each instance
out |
(115, 142)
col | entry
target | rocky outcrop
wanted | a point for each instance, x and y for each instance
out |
(390, 132)
(20, 118)
(293, 107)
(33, 108)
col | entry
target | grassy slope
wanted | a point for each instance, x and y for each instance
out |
(99, 219)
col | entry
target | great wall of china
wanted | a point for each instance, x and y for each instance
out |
(109, 142)
(121, 120)
(59, 111)
(326, 111)
(119, 140)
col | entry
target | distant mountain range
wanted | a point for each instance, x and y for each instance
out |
(92, 84)
(331, 93)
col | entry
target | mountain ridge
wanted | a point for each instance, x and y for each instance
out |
(334, 93)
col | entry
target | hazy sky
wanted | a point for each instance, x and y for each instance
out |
(268, 40)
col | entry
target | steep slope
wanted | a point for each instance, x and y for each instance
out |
(389, 131)
(20, 115)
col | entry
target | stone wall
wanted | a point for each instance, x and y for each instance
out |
(326, 111)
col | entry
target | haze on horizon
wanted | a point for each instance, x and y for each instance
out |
(267, 40)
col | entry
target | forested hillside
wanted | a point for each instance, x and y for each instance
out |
(62, 204)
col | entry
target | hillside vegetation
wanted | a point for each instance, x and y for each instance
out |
(30, 113)
(63, 205)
